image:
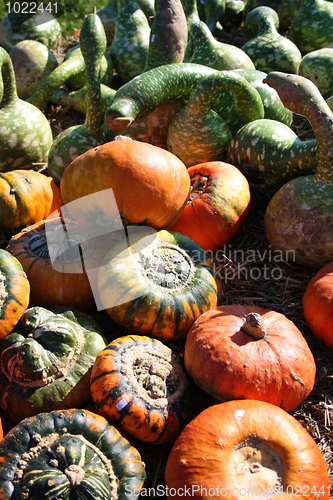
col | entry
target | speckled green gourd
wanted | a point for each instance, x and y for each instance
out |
(269, 154)
(108, 16)
(168, 36)
(286, 9)
(299, 217)
(71, 71)
(145, 93)
(269, 50)
(312, 27)
(232, 16)
(317, 66)
(148, 7)
(210, 12)
(192, 15)
(207, 50)
(79, 138)
(25, 133)
(78, 99)
(46, 364)
(129, 48)
(197, 134)
(48, 33)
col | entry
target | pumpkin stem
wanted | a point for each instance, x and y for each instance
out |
(254, 325)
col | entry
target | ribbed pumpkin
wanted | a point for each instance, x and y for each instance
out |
(26, 197)
(246, 449)
(141, 387)
(159, 284)
(219, 202)
(14, 292)
(57, 255)
(68, 454)
(149, 185)
(248, 352)
(318, 304)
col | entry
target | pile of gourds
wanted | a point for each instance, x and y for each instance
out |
(124, 213)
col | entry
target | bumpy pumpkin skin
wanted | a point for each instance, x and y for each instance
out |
(229, 363)
(218, 204)
(140, 386)
(67, 283)
(150, 185)
(72, 453)
(318, 304)
(159, 285)
(26, 197)
(246, 446)
(14, 292)
(46, 364)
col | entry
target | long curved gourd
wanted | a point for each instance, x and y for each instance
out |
(192, 15)
(317, 66)
(197, 134)
(298, 219)
(147, 91)
(207, 50)
(25, 133)
(269, 50)
(129, 47)
(168, 38)
(312, 27)
(78, 99)
(79, 138)
(269, 154)
(108, 16)
(286, 9)
(210, 12)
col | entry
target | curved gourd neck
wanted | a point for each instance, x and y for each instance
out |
(8, 92)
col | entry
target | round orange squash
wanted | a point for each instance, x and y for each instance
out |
(219, 202)
(318, 304)
(249, 450)
(247, 352)
(149, 184)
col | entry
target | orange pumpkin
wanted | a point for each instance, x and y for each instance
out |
(218, 204)
(246, 449)
(150, 185)
(247, 352)
(318, 304)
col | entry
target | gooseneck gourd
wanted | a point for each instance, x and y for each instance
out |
(299, 217)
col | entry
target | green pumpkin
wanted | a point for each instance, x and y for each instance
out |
(68, 454)
(46, 364)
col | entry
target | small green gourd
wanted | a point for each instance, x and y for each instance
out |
(210, 12)
(148, 7)
(129, 48)
(79, 138)
(197, 134)
(286, 9)
(78, 99)
(25, 133)
(232, 16)
(108, 16)
(269, 50)
(168, 36)
(317, 66)
(208, 51)
(192, 15)
(312, 27)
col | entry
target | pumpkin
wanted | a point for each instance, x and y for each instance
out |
(46, 364)
(159, 285)
(318, 304)
(141, 387)
(14, 292)
(248, 352)
(26, 197)
(150, 185)
(219, 202)
(57, 256)
(70, 453)
(246, 449)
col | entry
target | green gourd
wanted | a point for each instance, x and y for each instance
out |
(269, 50)
(312, 27)
(317, 66)
(108, 16)
(299, 217)
(197, 134)
(168, 36)
(207, 50)
(192, 15)
(286, 9)
(25, 133)
(269, 154)
(48, 33)
(210, 12)
(129, 48)
(78, 99)
(79, 138)
(148, 7)
(232, 16)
